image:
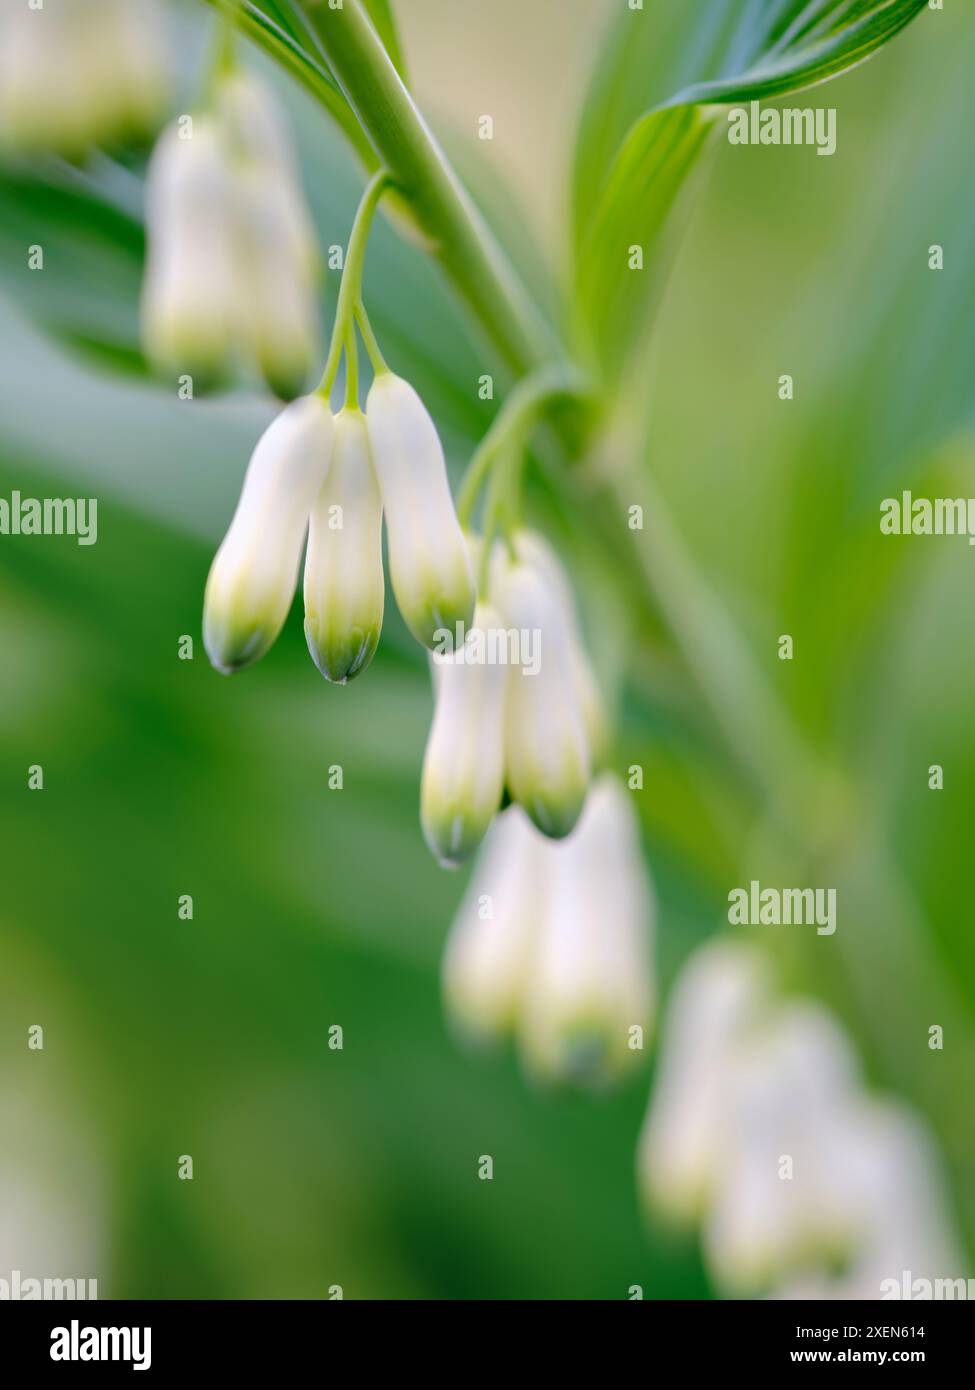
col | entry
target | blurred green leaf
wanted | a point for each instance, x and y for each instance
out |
(822, 39)
(633, 217)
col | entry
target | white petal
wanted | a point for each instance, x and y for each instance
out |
(253, 578)
(490, 940)
(189, 307)
(429, 566)
(535, 550)
(546, 748)
(718, 996)
(344, 561)
(463, 769)
(589, 993)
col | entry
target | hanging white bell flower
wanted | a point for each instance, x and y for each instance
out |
(233, 266)
(589, 992)
(257, 132)
(190, 312)
(429, 565)
(463, 769)
(719, 992)
(536, 551)
(489, 945)
(277, 250)
(344, 560)
(905, 1243)
(276, 294)
(253, 577)
(547, 759)
(75, 73)
(783, 1196)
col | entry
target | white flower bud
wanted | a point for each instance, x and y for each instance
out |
(344, 560)
(463, 769)
(535, 550)
(588, 996)
(190, 296)
(783, 1196)
(547, 760)
(429, 565)
(719, 992)
(276, 295)
(488, 948)
(74, 73)
(253, 577)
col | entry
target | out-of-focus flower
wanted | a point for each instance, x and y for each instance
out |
(76, 73)
(719, 991)
(552, 943)
(229, 230)
(905, 1243)
(547, 756)
(758, 1128)
(486, 958)
(344, 561)
(463, 769)
(589, 992)
(429, 565)
(783, 1197)
(253, 577)
(189, 308)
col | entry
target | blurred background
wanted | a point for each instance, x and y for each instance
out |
(312, 907)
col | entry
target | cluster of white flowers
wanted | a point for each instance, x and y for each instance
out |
(336, 477)
(760, 1129)
(78, 73)
(534, 728)
(233, 263)
(552, 942)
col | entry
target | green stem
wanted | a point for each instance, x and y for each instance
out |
(441, 207)
(351, 370)
(513, 424)
(369, 338)
(350, 293)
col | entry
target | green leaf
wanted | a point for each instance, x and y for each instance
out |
(645, 182)
(631, 163)
(825, 38)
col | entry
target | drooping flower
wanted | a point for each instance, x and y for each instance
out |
(231, 245)
(253, 577)
(189, 300)
(463, 768)
(759, 1128)
(344, 562)
(488, 949)
(552, 943)
(547, 753)
(589, 992)
(783, 1196)
(429, 565)
(536, 551)
(719, 991)
(78, 73)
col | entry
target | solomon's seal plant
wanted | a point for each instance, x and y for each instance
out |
(524, 761)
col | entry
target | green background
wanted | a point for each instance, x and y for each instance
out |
(315, 907)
